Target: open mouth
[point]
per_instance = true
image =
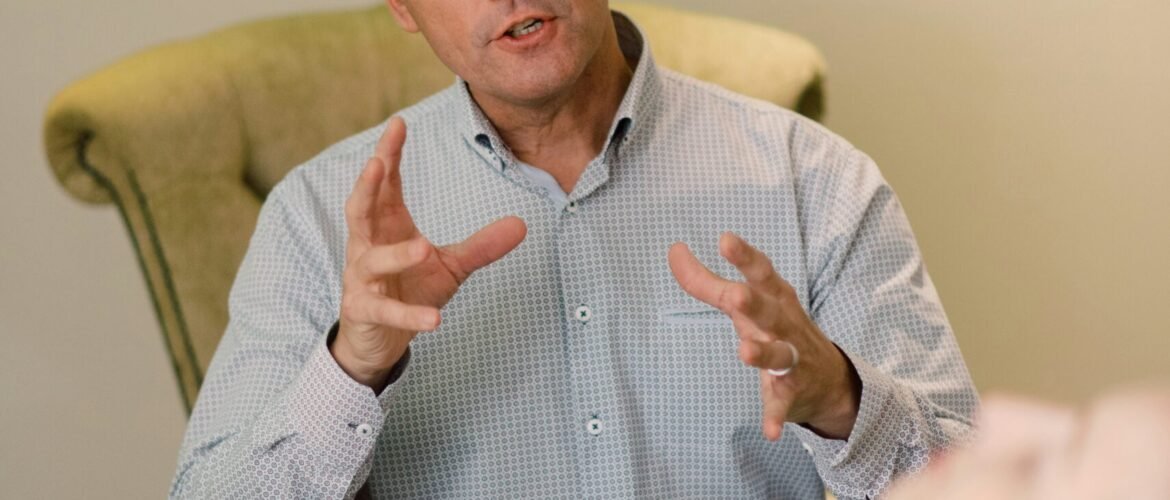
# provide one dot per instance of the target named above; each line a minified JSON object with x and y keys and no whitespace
{"x":525,"y":28}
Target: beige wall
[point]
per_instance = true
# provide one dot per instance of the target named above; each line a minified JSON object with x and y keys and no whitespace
{"x":1030,"y":144}
{"x":88,"y":405}
{"x":1028,"y":140}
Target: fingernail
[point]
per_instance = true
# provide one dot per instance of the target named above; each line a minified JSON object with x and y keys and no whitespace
{"x":751,"y":350}
{"x":746,"y":351}
{"x":419,"y":248}
{"x":432,"y":321}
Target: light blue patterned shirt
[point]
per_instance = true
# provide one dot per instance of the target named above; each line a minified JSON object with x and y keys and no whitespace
{"x":575,"y":367}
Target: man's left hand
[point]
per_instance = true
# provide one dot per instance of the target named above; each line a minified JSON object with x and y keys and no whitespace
{"x":822,"y":391}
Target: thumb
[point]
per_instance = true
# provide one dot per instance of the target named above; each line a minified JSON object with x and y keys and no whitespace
{"x":777,"y":400}
{"x":488,"y":244}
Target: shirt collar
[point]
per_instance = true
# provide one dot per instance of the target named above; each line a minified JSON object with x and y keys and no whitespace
{"x":643,"y":89}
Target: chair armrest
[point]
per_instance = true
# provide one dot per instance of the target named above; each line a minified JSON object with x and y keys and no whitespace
{"x":128,"y":116}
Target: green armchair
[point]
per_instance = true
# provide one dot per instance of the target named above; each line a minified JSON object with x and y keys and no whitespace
{"x":188,"y":138}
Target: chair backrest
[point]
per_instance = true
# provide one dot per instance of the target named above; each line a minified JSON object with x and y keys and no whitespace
{"x":187,"y":138}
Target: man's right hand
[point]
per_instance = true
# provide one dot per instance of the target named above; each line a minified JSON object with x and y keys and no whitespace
{"x":395,"y":281}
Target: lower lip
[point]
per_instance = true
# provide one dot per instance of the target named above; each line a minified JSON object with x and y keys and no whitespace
{"x":530,"y":41}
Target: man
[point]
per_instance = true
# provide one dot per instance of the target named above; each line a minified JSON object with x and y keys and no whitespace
{"x":589,"y":355}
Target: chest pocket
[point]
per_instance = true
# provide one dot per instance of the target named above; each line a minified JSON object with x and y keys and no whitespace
{"x":699,"y":346}
{"x":696,"y":340}
{"x":695,"y":315}
{"x":707,"y":393}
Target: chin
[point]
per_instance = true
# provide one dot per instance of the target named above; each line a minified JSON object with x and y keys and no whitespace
{"x":538,"y":91}
{"x":535,"y":86}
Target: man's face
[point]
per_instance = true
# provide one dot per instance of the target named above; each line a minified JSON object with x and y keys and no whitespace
{"x":519,"y":51}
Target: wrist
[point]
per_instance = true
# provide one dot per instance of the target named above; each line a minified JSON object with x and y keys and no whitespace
{"x":362,"y":373}
{"x":373,"y":374}
{"x":839,"y":411}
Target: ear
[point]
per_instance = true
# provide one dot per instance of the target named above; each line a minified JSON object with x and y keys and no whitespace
{"x":402,"y":15}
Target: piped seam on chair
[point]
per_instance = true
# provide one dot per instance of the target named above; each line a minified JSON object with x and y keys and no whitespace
{"x":168,"y":280}
{"x":82,"y":145}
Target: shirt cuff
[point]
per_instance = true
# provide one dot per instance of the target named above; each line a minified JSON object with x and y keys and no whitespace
{"x":335,"y":415}
{"x":396,"y":371}
{"x":860,"y":466}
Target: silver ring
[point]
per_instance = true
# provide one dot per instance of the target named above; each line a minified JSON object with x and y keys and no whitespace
{"x":795,"y":359}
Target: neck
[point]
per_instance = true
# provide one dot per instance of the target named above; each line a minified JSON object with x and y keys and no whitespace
{"x":563,"y":133}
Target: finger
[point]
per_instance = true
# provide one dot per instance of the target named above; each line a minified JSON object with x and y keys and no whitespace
{"x":383,"y":260}
{"x":748,"y":328}
{"x":781,"y":308}
{"x":373,"y":309}
{"x":389,"y":146}
{"x":359,"y":208}
{"x":488,"y":245}
{"x":731,"y":297}
{"x":393,"y":218}
{"x":777,"y":399}
{"x":755,"y":266}
{"x":773,"y":355}
{"x":700,"y":282}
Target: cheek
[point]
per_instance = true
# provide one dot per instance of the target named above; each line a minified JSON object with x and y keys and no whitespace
{"x":451,"y":42}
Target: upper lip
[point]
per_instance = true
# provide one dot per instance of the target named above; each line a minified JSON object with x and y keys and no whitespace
{"x":507,"y":26}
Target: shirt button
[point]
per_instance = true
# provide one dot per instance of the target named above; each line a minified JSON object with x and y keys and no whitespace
{"x":593,"y":426}
{"x":364,"y":429}
{"x":583,"y":314}
{"x":571,"y":207}
{"x":806,"y":448}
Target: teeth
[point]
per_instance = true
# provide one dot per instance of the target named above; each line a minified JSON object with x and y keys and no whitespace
{"x":525,"y":27}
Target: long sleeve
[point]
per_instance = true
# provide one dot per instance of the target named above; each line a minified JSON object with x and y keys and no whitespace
{"x":276,"y":416}
{"x":871,"y":294}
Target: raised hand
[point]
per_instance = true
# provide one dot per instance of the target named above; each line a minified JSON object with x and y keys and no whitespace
{"x":395,"y":281}
{"x":821,"y":389}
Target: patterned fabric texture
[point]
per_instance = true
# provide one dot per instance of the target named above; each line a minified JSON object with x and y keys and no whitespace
{"x":576,"y":367}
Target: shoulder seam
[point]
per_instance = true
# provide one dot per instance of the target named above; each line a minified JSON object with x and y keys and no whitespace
{"x":728,"y":96}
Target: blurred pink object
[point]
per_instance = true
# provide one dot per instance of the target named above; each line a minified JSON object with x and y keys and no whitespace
{"x":1116,"y":448}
